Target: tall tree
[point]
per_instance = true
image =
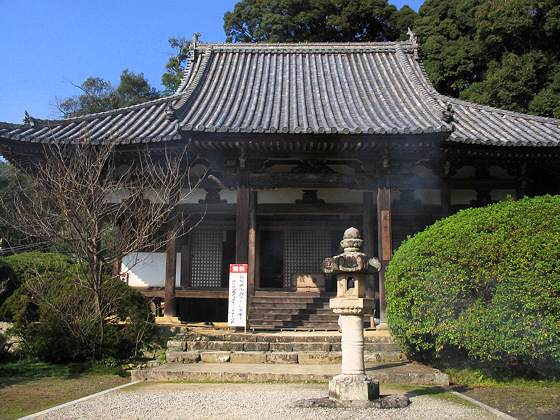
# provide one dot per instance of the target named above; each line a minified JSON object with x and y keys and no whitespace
{"x":175,"y":66}
{"x":501,"y":53}
{"x":99,"y":95}
{"x":316,"y":21}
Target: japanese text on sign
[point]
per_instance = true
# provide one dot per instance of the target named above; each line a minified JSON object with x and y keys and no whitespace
{"x":237,"y":305}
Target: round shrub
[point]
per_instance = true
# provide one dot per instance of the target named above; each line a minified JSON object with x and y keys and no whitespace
{"x":484,"y":283}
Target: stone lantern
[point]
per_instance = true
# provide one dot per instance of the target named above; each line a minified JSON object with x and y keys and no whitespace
{"x":352,"y":386}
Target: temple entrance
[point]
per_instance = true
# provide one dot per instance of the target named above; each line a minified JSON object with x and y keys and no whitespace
{"x":271,"y":267}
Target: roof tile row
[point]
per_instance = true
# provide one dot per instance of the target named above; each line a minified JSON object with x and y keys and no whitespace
{"x":368,"y":89}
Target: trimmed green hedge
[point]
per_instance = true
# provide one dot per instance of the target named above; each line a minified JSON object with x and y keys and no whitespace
{"x":484,"y":283}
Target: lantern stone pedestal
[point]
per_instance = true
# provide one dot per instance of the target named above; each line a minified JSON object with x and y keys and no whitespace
{"x":352,"y":386}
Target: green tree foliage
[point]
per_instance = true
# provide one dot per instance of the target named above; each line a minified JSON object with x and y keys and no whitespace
{"x":99,"y":95}
{"x":54,"y":313}
{"x":500,"y":53}
{"x":316,"y":21}
{"x":175,"y":66}
{"x":484,"y":283}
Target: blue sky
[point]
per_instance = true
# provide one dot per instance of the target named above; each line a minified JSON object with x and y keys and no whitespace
{"x":45,"y":44}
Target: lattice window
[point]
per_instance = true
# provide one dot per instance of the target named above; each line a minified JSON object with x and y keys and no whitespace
{"x":206,"y":261}
{"x":304,"y":252}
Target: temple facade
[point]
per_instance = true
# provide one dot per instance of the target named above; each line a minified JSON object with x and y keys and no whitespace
{"x":298,"y":142}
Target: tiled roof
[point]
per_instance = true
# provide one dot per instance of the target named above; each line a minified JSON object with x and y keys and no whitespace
{"x":135,"y":124}
{"x":311,"y":88}
{"x":479,"y":124}
{"x":349,"y":89}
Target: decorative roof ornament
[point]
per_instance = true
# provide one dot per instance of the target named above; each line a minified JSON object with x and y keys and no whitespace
{"x":448,"y":114}
{"x":414,"y":41}
{"x":192,"y":47}
{"x":195,"y":38}
{"x":170,"y":113}
{"x":29,"y":120}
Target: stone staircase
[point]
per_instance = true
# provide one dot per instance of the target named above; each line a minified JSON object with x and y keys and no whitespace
{"x":292,"y":311}
{"x":214,"y":346}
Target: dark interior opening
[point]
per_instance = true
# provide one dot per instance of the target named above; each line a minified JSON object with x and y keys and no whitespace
{"x":228,"y":255}
{"x":271,"y":259}
{"x":203,"y":310}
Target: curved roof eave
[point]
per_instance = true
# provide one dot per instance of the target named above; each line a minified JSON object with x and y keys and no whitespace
{"x":374,"y":89}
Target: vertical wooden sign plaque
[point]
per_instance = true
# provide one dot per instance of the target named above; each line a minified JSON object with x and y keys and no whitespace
{"x":386,"y":234}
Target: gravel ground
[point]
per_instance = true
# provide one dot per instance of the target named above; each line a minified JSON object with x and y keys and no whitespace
{"x":251,"y":401}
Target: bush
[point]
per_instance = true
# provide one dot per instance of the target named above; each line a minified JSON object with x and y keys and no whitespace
{"x":54,"y":313}
{"x":8,"y":282}
{"x":484,"y":283}
{"x":16,"y":270}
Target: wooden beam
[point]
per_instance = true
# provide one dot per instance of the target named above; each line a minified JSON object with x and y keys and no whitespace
{"x":309,"y":208}
{"x":170,"y":309}
{"x":489,"y":183}
{"x":207,"y":208}
{"x":265,"y":181}
{"x":384,"y":241}
{"x":252,"y":251}
{"x":153,"y":292}
{"x":242,"y":226}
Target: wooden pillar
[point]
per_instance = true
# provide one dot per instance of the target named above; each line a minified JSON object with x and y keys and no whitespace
{"x":369,"y":245}
{"x":384,"y":241}
{"x":242,"y":227}
{"x":252,"y":251}
{"x":170,"y":309}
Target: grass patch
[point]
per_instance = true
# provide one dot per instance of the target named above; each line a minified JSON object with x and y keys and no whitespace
{"x":27,"y":386}
{"x":470,"y":372}
{"x":35,"y":369}
{"x":434,"y":391}
{"x":520,"y":392}
{"x":477,"y":377}
{"x":539,"y":403}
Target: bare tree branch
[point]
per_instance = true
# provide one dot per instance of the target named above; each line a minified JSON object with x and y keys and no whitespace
{"x":98,"y":204}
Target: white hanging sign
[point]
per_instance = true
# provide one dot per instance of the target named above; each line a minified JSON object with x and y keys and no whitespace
{"x":237,"y":305}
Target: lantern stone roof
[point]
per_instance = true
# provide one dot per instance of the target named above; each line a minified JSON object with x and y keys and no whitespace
{"x":366,"y":90}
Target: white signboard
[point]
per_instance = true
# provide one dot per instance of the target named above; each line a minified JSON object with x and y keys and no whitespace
{"x":237,"y":305}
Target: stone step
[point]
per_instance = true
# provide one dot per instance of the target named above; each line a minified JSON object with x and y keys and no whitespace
{"x":288,"y":310}
{"x":395,"y":373}
{"x":268,"y":304}
{"x":303,"y":325}
{"x":301,"y":357}
{"x":292,"y":297}
{"x":288,"y":305}
{"x":273,"y":337}
{"x":182,"y":345}
{"x":295,"y":317}
{"x":300,"y":309}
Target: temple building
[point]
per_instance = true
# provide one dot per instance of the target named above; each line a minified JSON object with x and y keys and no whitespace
{"x":298,"y":142}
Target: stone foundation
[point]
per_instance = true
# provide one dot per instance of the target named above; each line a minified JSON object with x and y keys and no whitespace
{"x":356,"y":388}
